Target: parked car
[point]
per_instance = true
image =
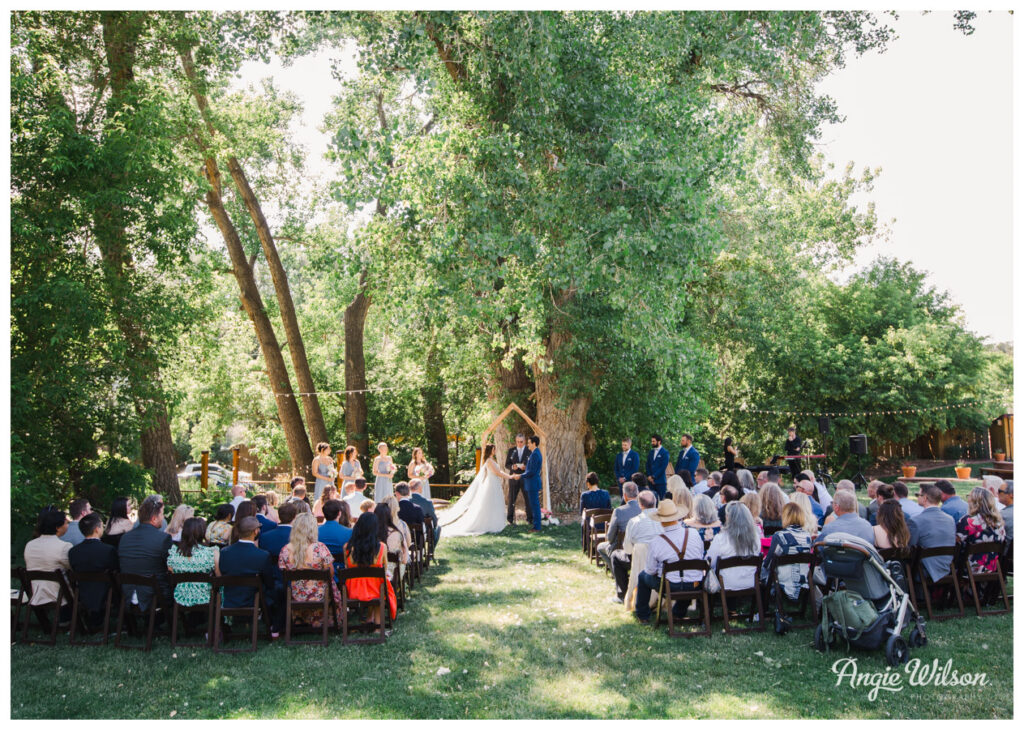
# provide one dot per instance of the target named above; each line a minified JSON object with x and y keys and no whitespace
{"x":218,"y":474}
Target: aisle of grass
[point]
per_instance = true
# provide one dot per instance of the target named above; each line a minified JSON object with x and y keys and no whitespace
{"x":524,"y":626}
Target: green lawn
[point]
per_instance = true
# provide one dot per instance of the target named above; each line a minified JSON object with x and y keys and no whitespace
{"x":524,"y":626}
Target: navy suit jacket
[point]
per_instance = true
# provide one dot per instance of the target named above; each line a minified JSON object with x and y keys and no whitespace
{"x":245,"y":559}
{"x":266,"y":524}
{"x":273,"y":542}
{"x":626,"y":463}
{"x":656,"y":467}
{"x":409,"y":511}
{"x":143,"y":550}
{"x":333,"y":535}
{"x":688,"y":459}
{"x":532,"y":476}
{"x":93,"y":555}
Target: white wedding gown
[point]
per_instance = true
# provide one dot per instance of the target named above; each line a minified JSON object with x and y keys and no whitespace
{"x":480,"y":510}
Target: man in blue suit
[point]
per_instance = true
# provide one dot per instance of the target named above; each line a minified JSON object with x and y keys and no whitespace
{"x":689,"y":457}
{"x":266,"y":524}
{"x":657,"y":462}
{"x":332,"y":533}
{"x":531,"y":481}
{"x":626,"y":463}
{"x":245,"y":558}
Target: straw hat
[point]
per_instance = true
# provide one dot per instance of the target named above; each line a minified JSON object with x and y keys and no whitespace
{"x":668,"y":512}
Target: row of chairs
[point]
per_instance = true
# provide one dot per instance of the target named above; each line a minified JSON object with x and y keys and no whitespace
{"x":118,"y":588}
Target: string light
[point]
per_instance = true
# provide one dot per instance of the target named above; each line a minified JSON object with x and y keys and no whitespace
{"x":888,"y":412}
{"x":332,"y":393}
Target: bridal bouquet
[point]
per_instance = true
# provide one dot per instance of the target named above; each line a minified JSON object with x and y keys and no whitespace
{"x":332,"y":473}
{"x":546,"y":518}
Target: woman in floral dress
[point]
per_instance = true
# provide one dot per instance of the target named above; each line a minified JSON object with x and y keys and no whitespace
{"x":190,"y":556}
{"x":982,"y":524}
{"x":304,"y":551}
{"x":219,"y":531}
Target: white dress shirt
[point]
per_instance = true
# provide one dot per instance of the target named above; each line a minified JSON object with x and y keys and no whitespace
{"x":659,"y":551}
{"x":641,"y":529}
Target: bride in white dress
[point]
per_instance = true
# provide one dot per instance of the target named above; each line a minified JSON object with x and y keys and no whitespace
{"x":481,"y":509}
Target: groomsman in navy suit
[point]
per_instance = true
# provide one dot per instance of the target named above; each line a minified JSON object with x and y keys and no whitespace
{"x":689,"y":457}
{"x":626,"y":463}
{"x":657,"y":462}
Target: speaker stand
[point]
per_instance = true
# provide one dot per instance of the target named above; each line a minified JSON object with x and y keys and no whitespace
{"x":859,"y":481}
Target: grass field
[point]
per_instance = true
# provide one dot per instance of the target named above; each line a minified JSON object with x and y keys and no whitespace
{"x":524,"y":626}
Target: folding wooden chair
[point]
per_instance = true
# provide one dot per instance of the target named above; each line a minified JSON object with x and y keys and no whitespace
{"x":322,"y":575}
{"x":984,"y":578}
{"x":41,"y":611}
{"x":78,"y":616}
{"x":754,"y":591}
{"x":585,"y":525}
{"x":396,"y":558}
{"x":183,"y":611}
{"x":804,"y":598}
{"x":418,"y":549}
{"x":597,"y":534}
{"x":127,"y":584}
{"x":252,"y":613}
{"x":19,"y":598}
{"x":429,"y":528}
{"x":368,"y":572}
{"x":687,"y":595}
{"x":949,"y":580}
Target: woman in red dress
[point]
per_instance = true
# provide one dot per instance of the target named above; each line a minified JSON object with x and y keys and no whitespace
{"x":364,"y":549}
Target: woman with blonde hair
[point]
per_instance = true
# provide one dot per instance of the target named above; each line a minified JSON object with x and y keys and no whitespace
{"x":304,"y":551}
{"x":330,"y":492}
{"x":753,"y":502}
{"x":392,"y":502}
{"x":673,"y":483}
{"x":773,"y":500}
{"x":681,"y":496}
{"x":181,"y":514}
{"x":982,"y":524}
{"x":810,"y":521}
{"x":272,"y":501}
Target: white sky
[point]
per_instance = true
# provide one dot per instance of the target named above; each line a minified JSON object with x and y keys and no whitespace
{"x":933,"y":111}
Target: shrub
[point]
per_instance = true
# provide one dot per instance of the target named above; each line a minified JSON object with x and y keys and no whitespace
{"x":110,"y":477}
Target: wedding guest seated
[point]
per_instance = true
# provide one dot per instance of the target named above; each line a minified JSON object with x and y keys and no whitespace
{"x":680,"y":494}
{"x":847,"y":520}
{"x":892,"y":530}
{"x":245,"y":558}
{"x":49,"y":553}
{"x":304,"y":551}
{"x":354,"y":495}
{"x":331,"y":532}
{"x":329,"y":492}
{"x":773,"y":500}
{"x":416,"y":495}
{"x":299,"y":491}
{"x":272,"y":499}
{"x":952,"y":504}
{"x":366,"y":506}
{"x":873,"y":505}
{"x":390,"y":535}
{"x":594,"y":497}
{"x":932,"y":528}
{"x":1006,"y":500}
{"x":620,"y":517}
{"x":143,"y":550}
{"x":807,"y":488}
{"x":753,"y":502}
{"x":803,"y":502}
{"x":983,"y":523}
{"x":190,"y":556}
{"x":910,"y":508}
{"x":392,"y":502}
{"x":705,"y":518}
{"x":408,"y":511}
{"x":263,"y":514}
{"x":819,"y":494}
{"x":793,"y":539}
{"x":219,"y":531}
{"x":237,"y":496}
{"x":728,"y":494}
{"x":686,"y":477}
{"x":830,"y":512}
{"x":273,"y":541}
{"x":738,"y":538}
{"x":641,"y":528}
{"x":714,"y":484}
{"x":178,"y":517}
{"x":118,"y":522}
{"x":365,"y":549}
{"x":992,"y":483}
{"x":747,"y":482}
{"x":676,"y":541}
{"x":76,"y":510}
{"x":245,"y":509}
{"x":700,"y":484}
{"x":92,"y":556}
{"x":762,"y":479}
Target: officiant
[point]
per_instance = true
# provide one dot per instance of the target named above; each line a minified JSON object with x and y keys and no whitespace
{"x":515,"y":463}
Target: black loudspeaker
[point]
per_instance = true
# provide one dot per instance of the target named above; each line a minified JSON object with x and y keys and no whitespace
{"x":824,"y":426}
{"x":858,"y":444}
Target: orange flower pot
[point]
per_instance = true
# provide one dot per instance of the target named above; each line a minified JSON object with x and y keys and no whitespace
{"x":909,"y":471}
{"x":963,"y":473}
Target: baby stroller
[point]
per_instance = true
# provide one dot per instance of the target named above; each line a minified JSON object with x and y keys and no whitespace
{"x":866,"y":601}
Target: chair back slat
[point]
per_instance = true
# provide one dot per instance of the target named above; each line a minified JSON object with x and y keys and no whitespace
{"x":736,"y":561}
{"x":988,"y":547}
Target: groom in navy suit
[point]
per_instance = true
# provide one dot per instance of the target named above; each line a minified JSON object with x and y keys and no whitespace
{"x":531,"y":481}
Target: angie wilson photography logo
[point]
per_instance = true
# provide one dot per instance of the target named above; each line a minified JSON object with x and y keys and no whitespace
{"x":914,"y":673}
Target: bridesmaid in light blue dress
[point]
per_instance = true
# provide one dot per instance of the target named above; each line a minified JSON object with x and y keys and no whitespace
{"x":422,"y":469}
{"x":323,"y":466}
{"x":383,"y":469}
{"x":350,"y":468}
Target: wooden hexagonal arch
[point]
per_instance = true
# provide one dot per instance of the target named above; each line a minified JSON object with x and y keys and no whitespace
{"x":536,"y":430}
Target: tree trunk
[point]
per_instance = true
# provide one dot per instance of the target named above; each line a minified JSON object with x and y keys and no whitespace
{"x":356,"y":430}
{"x":566,"y":429}
{"x":288,"y":410}
{"x":433,"y":416}
{"x":296,"y":346}
{"x":120,"y":38}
